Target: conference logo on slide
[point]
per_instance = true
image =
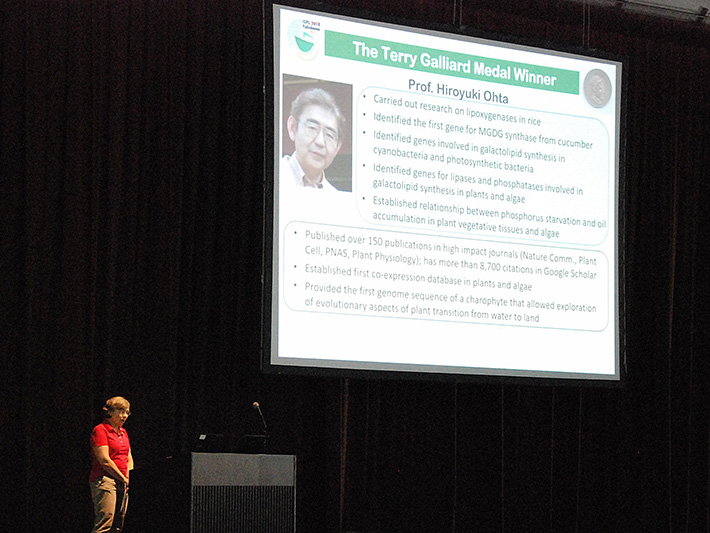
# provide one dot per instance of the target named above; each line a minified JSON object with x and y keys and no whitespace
{"x":303,"y":38}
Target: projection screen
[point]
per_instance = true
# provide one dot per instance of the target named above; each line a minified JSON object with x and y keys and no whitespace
{"x":439,"y":205}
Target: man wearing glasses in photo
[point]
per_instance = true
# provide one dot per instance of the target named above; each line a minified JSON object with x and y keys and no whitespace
{"x":315,"y":125}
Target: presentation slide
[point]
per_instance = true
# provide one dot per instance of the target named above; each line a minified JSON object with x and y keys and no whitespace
{"x":442,"y":204}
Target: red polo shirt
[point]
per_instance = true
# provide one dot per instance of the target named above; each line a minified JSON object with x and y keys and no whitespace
{"x":118,"y":448}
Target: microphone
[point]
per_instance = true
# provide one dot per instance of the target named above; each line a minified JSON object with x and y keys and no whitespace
{"x":257,"y":407}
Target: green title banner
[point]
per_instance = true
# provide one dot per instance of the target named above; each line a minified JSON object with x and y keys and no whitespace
{"x":417,"y":58}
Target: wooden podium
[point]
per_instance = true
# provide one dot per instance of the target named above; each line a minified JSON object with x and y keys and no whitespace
{"x":215,"y":493}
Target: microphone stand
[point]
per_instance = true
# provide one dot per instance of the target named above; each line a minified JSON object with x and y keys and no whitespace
{"x":265,"y":435}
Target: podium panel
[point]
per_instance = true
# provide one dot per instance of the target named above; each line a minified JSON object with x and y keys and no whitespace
{"x":214,"y":493}
{"x":241,"y":493}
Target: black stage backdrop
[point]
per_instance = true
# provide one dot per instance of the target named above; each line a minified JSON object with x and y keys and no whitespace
{"x":131,"y":141}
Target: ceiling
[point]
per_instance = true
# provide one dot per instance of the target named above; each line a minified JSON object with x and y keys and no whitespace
{"x":690,"y":10}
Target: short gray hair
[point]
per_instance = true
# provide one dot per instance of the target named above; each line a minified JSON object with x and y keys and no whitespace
{"x":321,"y":98}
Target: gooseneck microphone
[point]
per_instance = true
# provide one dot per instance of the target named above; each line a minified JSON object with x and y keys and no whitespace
{"x":257,"y":407}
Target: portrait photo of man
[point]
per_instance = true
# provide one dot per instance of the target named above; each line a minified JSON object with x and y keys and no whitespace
{"x":315,"y":136}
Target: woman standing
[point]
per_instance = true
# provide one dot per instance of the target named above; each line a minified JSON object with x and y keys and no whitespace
{"x":111,"y":465}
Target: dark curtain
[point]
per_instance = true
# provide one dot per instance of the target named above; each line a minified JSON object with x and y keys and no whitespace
{"x":131,"y":157}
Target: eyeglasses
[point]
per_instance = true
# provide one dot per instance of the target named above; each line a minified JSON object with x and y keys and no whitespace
{"x":313,"y":128}
{"x":122,"y":411}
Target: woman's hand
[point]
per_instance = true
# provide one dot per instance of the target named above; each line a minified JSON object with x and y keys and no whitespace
{"x":102,"y":455}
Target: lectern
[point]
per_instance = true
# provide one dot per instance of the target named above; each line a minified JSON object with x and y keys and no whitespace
{"x":241,"y":493}
{"x":215,"y":493}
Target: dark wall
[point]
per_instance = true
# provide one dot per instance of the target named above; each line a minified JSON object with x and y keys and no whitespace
{"x":131,"y":161}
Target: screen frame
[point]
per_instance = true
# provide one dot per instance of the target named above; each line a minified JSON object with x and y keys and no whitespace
{"x":269,"y":283}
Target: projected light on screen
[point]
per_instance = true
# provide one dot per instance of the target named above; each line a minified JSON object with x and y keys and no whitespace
{"x":441,"y":205}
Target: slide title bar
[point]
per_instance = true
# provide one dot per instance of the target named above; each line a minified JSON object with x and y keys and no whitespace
{"x":393,"y":54}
